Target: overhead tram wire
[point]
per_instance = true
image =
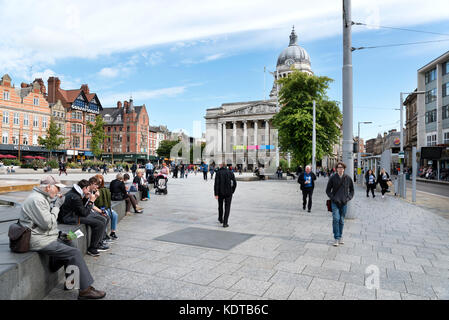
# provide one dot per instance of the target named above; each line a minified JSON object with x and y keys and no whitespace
{"x":399,"y":44}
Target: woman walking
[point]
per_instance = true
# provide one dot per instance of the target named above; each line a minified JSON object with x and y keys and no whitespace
{"x":370,"y":179}
{"x":383,"y":180}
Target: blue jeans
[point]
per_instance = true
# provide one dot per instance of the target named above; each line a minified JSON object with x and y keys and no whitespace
{"x":114,"y":217}
{"x":338,"y":220}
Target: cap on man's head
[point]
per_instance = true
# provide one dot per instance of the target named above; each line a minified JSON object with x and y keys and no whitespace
{"x":50,"y":180}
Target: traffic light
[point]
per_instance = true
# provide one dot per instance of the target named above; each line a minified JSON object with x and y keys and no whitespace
{"x":355,"y":147}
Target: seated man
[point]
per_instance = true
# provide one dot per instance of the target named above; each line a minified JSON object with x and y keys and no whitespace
{"x":77,"y":209}
{"x":39,"y":213}
{"x":119,"y":193}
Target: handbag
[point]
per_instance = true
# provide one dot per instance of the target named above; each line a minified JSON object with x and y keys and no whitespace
{"x":389,"y":183}
{"x":19,"y":238}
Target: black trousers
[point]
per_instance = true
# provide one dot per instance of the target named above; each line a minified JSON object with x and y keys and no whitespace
{"x":65,"y":255}
{"x":205,"y":175}
{"x":144,"y":191}
{"x":370,"y":187}
{"x":307,"y":192}
{"x":227,"y":208}
{"x":98,"y":224}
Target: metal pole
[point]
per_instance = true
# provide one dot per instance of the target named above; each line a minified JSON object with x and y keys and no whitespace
{"x":359,"y":179}
{"x":314,"y":139}
{"x":401,"y":174}
{"x":414,"y":172}
{"x":347,"y":96}
{"x":277,"y":110}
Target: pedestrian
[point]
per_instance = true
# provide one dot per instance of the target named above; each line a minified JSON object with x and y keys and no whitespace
{"x":307,"y":182}
{"x":104,"y":203}
{"x":224,"y":187}
{"x":279,"y":172}
{"x":204,"y":170}
{"x":149,"y":168}
{"x":40,"y":212}
{"x":212,"y":171}
{"x":105,"y":168}
{"x":142,"y":185}
{"x":62,"y":168}
{"x":340,"y":190}
{"x":134,"y":169}
{"x":382,"y":179}
{"x":182,"y":169}
{"x":370,"y":180}
{"x":119,"y":193}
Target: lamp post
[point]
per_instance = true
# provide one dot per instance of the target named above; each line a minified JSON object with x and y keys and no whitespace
{"x":314,"y":139}
{"x":359,"y":175}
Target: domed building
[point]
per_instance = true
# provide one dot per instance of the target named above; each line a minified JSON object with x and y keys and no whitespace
{"x":241,"y":133}
{"x":292,"y":58}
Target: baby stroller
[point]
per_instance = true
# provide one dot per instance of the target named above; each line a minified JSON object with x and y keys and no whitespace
{"x":160,"y":183}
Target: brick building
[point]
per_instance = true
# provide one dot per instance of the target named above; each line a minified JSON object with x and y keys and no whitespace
{"x":24,"y":116}
{"x":127,"y":127}
{"x":80,"y":107}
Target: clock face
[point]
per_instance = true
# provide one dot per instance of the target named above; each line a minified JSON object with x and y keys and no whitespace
{"x":289,"y":62}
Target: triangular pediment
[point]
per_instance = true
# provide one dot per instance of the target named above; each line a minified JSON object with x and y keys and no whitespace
{"x":256,"y":108}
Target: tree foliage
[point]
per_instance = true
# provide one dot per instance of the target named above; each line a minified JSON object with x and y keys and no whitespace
{"x":53,"y":139}
{"x":295,"y":118}
{"x":98,"y":136}
{"x":165,"y":147}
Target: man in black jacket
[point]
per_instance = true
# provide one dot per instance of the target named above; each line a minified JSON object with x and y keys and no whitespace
{"x":307,"y":181}
{"x":77,"y":209}
{"x":224,"y":187}
{"x":340,"y":190}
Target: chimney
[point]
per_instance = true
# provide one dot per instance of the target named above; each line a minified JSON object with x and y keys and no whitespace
{"x":119,"y":104}
{"x":43,"y":90}
{"x":85,"y":88}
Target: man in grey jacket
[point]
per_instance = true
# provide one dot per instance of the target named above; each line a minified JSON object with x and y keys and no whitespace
{"x":40,"y":213}
{"x":340,"y":190}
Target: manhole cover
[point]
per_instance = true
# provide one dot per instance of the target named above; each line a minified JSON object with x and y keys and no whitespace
{"x":206,"y":238}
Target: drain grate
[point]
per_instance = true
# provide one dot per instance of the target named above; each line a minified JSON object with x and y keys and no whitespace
{"x":207,"y":238}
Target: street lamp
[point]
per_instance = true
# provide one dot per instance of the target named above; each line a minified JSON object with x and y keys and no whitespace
{"x":402,"y":185}
{"x":358,"y":151}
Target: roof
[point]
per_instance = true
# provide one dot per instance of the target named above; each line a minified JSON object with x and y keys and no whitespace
{"x":116,"y":115}
{"x":432,"y":63}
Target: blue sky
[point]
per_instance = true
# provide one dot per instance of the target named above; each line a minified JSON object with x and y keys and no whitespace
{"x":179,"y":60}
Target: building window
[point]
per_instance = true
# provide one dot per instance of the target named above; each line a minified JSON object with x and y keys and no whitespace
{"x":25,"y":140}
{"x":15,"y":139}
{"x":16,"y":118}
{"x":109,"y":129}
{"x":6,"y":117}
{"x":44,"y":122}
{"x":34,"y":139}
{"x":76,"y":142}
{"x":431,"y":140}
{"x":431,"y":75}
{"x":77,"y":128}
{"x":88,"y":144}
{"x":35,"y":121}
{"x":446,"y":137}
{"x":446,"y":112}
{"x":26,"y":120}
{"x":127,"y":128}
{"x":431,"y":116}
{"x":445,"y":89}
{"x":431,"y":95}
{"x":5,"y":95}
{"x":446,"y":67}
{"x":5,"y":139}
{"x":36,"y":101}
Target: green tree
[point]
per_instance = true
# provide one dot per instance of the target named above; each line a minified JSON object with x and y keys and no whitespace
{"x":165,"y":148}
{"x":53,"y":139}
{"x":203,"y":145}
{"x":98,"y":136}
{"x":295,"y":118}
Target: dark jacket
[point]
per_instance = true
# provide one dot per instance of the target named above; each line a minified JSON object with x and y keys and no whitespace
{"x":344,"y":194}
{"x":133,"y":167}
{"x":139,"y":183}
{"x":74,"y":206}
{"x":383,"y":183}
{"x":225,"y":183}
{"x":118,"y":190}
{"x":367,"y":178}
{"x":302,"y":181}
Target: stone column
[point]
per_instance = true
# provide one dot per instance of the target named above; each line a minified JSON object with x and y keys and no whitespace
{"x":245,"y":143}
{"x":234,"y":137}
{"x":224,"y":142}
{"x":255,"y":132}
{"x":219,"y":140}
{"x":267,"y":133}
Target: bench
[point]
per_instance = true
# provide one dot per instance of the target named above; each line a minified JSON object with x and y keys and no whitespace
{"x":26,"y":276}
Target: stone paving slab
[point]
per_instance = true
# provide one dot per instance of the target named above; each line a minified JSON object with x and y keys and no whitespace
{"x":290,"y":255}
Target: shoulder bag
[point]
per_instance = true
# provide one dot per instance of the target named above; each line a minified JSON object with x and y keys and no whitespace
{"x":19,"y":238}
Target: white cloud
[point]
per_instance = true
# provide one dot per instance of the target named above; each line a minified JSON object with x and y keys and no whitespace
{"x":141,"y":96}
{"x":40,"y":33}
{"x":108,"y":72}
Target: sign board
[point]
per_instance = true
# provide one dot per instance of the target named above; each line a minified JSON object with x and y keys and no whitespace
{"x":401,"y":155}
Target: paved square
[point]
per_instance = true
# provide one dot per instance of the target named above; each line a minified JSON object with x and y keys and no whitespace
{"x":206,"y":238}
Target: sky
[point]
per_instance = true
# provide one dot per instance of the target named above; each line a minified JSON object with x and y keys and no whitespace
{"x":180,"y":58}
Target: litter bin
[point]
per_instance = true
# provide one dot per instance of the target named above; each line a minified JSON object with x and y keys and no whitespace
{"x":407,"y":176}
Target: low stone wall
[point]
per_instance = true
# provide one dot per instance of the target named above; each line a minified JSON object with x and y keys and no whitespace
{"x":25,"y":276}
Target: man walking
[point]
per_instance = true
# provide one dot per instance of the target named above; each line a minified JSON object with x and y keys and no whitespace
{"x":149,"y":170}
{"x":204,"y":169}
{"x":224,"y":188}
{"x":306,"y":180}
{"x":340,"y":190}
